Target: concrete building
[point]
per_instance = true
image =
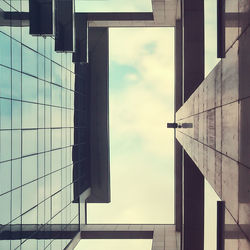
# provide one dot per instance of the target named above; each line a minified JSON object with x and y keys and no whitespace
{"x":54,"y":134}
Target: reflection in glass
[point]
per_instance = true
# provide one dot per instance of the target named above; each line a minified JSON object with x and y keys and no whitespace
{"x":40,"y":190}
{"x":16,"y":203}
{"x":29,"y":61}
{"x":16,"y":55}
{"x":56,"y":159}
{"x":41,"y":91}
{"x":47,"y":70}
{"x":41,"y":138}
{"x":56,"y":74}
{"x":56,"y":117}
{"x":5,"y":177}
{"x":47,"y":139}
{"x":5,"y":81}
{"x":40,"y":165}
{"x":16,"y":85}
{"x":30,"y":217}
{"x":41,"y":71}
{"x":5,"y":58}
{"x":29,"y":169}
{"x":55,"y":182}
{"x":56,"y":95}
{"x":5,"y":111}
{"x":29,"y":140}
{"x":16,"y":144}
{"x":29,"y":88}
{"x":29,"y":196}
{"x":5,"y":201}
{"x":16,"y":173}
{"x":56,"y":138}
{"x":29,"y":115}
{"x":16,"y":114}
{"x":41,"y":116}
{"x":5,"y":145}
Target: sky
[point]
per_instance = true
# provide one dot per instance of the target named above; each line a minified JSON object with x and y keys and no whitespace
{"x":141,"y":103}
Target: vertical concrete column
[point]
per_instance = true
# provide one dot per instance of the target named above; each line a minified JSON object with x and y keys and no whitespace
{"x":193,"y":45}
{"x":193,"y":75}
{"x":193,"y":206}
{"x":178,"y":104}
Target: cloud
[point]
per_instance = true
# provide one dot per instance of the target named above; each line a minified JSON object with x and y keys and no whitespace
{"x":113,"y":5}
{"x":141,"y":146}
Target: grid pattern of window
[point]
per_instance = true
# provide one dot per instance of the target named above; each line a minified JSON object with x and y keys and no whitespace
{"x":36,"y":133}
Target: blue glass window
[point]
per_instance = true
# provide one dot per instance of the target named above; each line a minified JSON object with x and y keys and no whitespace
{"x":29,"y":61}
{"x":16,"y":85}
{"x":29,"y":88}
{"x":5,"y":81}
{"x":5,"y":55}
{"x":56,"y":95}
{"x":56,"y":73}
{"x":16,"y":55}
{"x":41,"y":70}
{"x":29,"y":115}
{"x":16,"y":114}
{"x":41,"y":91}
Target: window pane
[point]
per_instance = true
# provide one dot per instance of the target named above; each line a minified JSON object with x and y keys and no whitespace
{"x":16,"y":55}
{"x":5,"y":81}
{"x":29,"y":169}
{"x":16,"y":143}
{"x":5,"y":177}
{"x":5,"y":50}
{"x":16,"y":203}
{"x":56,"y":159}
{"x":41,"y":138}
{"x":56,"y":73}
{"x":29,"y":115}
{"x":56,"y":182}
{"x":56,"y":95}
{"x":41,"y":71}
{"x":29,"y":88}
{"x":5,"y":138}
{"x":5,"y":111}
{"x":29,"y":61}
{"x":29,"y":196}
{"x":16,"y":114}
{"x":16,"y":85}
{"x":29,"y":142}
{"x":41,"y":91}
{"x":5,"y":201}
{"x":56,"y":117}
{"x":56,"y":138}
{"x":16,"y":173}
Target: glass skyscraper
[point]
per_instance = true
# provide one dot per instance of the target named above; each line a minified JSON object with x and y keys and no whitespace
{"x":37,"y":90}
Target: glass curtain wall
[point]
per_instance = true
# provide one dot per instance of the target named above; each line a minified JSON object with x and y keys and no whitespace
{"x":36,"y":133}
